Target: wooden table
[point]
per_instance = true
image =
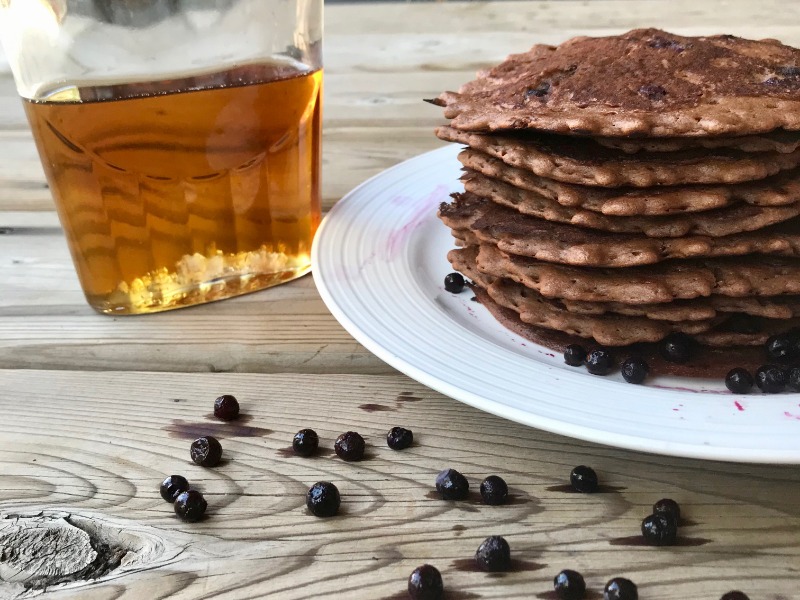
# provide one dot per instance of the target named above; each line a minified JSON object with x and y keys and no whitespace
{"x":95,"y":411}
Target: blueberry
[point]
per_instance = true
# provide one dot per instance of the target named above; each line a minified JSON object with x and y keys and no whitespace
{"x":781,"y":348}
{"x":425,"y":583}
{"x":676,"y":348}
{"x":599,"y":362}
{"x":305,"y":442}
{"x":574,"y":355}
{"x":206,"y":451}
{"x":323,"y":499}
{"x":735,"y":595}
{"x":620,"y":588}
{"x":454,"y":283}
{"x":452,"y":485}
{"x":190,"y":505}
{"x":634,"y":369}
{"x":349,"y":446}
{"x":739,"y":380}
{"x":569,"y":585}
{"x":226,"y":407}
{"x":173,"y":486}
{"x":494,"y":554}
{"x":771,"y":379}
{"x":399,"y":438}
{"x":583,"y":479}
{"x":669,"y":507}
{"x":794,"y":379}
{"x":660,"y":529}
{"x":494,"y":490}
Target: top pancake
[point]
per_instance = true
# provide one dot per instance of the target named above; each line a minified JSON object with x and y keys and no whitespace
{"x":645,"y":82}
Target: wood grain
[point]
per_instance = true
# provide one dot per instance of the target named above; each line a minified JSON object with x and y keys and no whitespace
{"x":259,"y":541}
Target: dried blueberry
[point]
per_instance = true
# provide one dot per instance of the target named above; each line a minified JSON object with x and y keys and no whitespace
{"x":452,"y":485}
{"x":781,"y":348}
{"x":190,"y":505}
{"x":677,"y":348}
{"x":574,"y":355}
{"x":669,"y":507}
{"x":771,"y":379}
{"x":454,"y":283}
{"x":350,"y":446}
{"x":494,"y":554}
{"x":620,"y":588}
{"x":323,"y":499}
{"x":599,"y":362}
{"x":173,"y":486}
{"x":739,"y":380}
{"x":494,"y":490}
{"x":206,"y":451}
{"x":583,"y":479}
{"x":425,"y":583}
{"x":634,"y":369}
{"x":794,"y":379}
{"x":226,"y":407}
{"x":735,"y":595}
{"x":660,"y":529}
{"x":305,"y":442}
{"x":399,"y":438}
{"x":569,"y":585}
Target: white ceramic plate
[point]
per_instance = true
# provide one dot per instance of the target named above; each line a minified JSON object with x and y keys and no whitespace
{"x":379,"y":264}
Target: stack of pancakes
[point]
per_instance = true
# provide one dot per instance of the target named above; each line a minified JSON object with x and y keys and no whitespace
{"x":629,"y":187}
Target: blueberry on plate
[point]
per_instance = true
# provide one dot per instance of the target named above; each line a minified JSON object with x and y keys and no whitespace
{"x":634,"y":369}
{"x":739,"y":380}
{"x":574,"y":355}
{"x":454,"y":283}
{"x":771,"y":379}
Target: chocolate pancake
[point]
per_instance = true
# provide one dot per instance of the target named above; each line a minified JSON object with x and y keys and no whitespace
{"x":520,"y":234}
{"x":751,"y":278}
{"x":772,"y":141}
{"x":777,"y":190}
{"x":645,"y":82}
{"x":715,"y":223}
{"x":701,"y":308}
{"x":583,"y":162}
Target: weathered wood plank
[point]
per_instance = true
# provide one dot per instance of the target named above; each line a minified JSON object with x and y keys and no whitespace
{"x":97,"y":445}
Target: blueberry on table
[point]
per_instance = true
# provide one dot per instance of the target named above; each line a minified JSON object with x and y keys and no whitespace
{"x":735,"y":595}
{"x":569,"y":585}
{"x":620,"y":588}
{"x":494,"y":554}
{"x":669,"y":507}
{"x":660,"y":529}
{"x":599,"y":362}
{"x":739,"y":380}
{"x":574,"y":355}
{"x":206,"y":451}
{"x":305,"y":442}
{"x":677,"y":348}
{"x":349,"y":446}
{"x":454,"y":283}
{"x":190,"y":505}
{"x":425,"y":583}
{"x":634,"y":369}
{"x":494,"y":490}
{"x":583,"y":479}
{"x":452,"y":485}
{"x":323,"y":499}
{"x":173,"y":486}
{"x":226,"y":407}
{"x":399,"y":438}
{"x":771,"y":379}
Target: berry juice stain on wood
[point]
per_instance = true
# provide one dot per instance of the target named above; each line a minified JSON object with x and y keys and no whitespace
{"x":375,"y":408}
{"x":186,"y":430}
{"x":602,"y":489}
{"x":638,"y":540}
